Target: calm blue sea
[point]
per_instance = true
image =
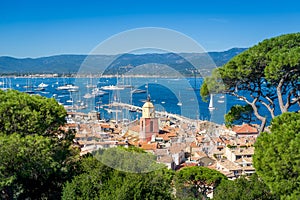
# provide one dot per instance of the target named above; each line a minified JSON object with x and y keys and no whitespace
{"x":165,"y":93}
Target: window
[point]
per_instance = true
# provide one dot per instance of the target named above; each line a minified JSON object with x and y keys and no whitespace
{"x":151,"y":126}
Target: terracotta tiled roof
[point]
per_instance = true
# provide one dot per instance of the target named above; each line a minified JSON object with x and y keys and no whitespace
{"x":166,"y":136}
{"x":135,"y":128}
{"x":171,"y":134}
{"x":245,"y":128}
{"x":193,"y":145}
{"x":105,"y":125}
{"x":146,"y":146}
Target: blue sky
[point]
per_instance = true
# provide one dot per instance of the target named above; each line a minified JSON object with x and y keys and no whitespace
{"x":31,"y":28}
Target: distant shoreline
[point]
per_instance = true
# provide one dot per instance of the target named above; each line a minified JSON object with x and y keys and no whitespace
{"x":93,"y":76}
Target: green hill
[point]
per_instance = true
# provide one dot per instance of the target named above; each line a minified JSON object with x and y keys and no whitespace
{"x":112,"y":64}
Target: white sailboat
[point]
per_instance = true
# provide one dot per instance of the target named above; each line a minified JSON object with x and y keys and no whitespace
{"x":90,"y":84}
{"x":179,"y":102}
{"x":211,"y":103}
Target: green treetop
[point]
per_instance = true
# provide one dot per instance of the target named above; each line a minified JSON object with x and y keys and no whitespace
{"x":277,"y":156}
{"x":29,"y":114}
{"x":36,"y":156}
{"x":269,"y":72}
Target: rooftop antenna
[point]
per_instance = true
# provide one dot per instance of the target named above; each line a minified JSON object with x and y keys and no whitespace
{"x":147,"y":86}
{"x":148,"y":98}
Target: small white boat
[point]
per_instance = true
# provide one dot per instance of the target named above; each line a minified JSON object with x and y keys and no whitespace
{"x":112,"y":87}
{"x":98,"y":92}
{"x":68,"y":87}
{"x":87,"y":96}
{"x":42,"y":85}
{"x":73,"y":90}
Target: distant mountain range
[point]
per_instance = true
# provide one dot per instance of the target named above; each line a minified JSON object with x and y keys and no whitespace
{"x":184,"y":63}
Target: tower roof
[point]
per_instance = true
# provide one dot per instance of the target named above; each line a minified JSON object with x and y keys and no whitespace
{"x":148,"y":110}
{"x":148,"y":104}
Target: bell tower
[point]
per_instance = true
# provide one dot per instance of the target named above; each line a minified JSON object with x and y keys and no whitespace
{"x":148,"y":122}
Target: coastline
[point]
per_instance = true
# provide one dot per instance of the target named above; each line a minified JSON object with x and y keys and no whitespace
{"x":94,"y":76}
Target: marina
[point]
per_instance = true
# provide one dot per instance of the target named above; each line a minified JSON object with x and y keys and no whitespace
{"x":172,"y":97}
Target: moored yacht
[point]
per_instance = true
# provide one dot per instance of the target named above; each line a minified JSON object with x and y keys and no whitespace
{"x":112,"y":87}
{"x":68,"y":87}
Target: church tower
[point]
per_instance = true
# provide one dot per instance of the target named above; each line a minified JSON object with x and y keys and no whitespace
{"x":148,"y":122}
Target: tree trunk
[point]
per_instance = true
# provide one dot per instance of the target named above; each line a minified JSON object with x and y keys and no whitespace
{"x":255,"y":110}
{"x":280,"y":99}
{"x":262,"y":126}
{"x":261,"y":118}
